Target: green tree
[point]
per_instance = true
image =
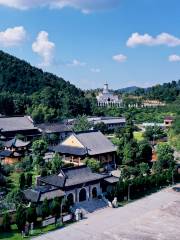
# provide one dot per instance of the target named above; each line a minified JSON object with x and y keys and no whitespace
{"x":101,"y":127}
{"x":56,"y":163}
{"x":154,"y":133}
{"x":16,"y":196}
{"x":44,"y":172}
{"x":31,"y":214}
{"x":165,"y":156}
{"x":144,"y":168}
{"x":22,"y":181}
{"x":93,"y":164}
{"x":38,"y":161}
{"x":29,"y":179}
{"x":56,"y":208}
{"x":144,"y":153}
{"x":81,"y":124}
{"x":130,"y":152}
{"x":6,"y":222}
{"x":39,"y":147}
{"x":45,"y":209}
{"x":21,"y":217}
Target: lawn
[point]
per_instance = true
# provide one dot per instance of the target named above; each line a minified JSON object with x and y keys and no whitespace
{"x":138,"y":136}
{"x":15,"y":235}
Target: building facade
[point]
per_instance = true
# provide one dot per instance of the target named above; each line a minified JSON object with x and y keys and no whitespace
{"x":92,"y":144}
{"x":79,"y":183}
{"x":106,"y":98}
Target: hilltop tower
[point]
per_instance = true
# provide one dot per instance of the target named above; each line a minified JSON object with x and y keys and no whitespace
{"x":107,"y":98}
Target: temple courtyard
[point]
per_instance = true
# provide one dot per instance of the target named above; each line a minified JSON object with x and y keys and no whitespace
{"x":155,"y":217}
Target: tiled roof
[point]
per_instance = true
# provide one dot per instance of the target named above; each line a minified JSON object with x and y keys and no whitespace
{"x":79,"y":175}
{"x":95,"y":142}
{"x":16,"y":143}
{"x":70,"y":150}
{"x":111,"y":179}
{"x":39,"y":193}
{"x":53,"y":127}
{"x":72,"y":176}
{"x":32,"y":195}
{"x":54,"y":180}
{"x":6,"y":153}
{"x":16,"y":124}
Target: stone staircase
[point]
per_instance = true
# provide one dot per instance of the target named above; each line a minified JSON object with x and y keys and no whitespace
{"x":90,"y":206}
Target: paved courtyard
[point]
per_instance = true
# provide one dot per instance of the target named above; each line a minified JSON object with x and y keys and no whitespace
{"x":155,"y":217}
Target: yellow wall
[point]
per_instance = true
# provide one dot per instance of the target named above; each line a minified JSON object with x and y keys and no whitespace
{"x":9,"y":160}
{"x":72,"y":141}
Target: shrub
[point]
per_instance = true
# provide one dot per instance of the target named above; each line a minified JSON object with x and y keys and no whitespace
{"x":20,"y":217}
{"x":6,"y":222}
{"x":31,"y":214}
{"x":45,"y":209}
{"x":93,"y":164}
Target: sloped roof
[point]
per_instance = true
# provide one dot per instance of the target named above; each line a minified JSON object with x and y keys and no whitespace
{"x":16,"y":124}
{"x":32,"y":195}
{"x":95,"y":142}
{"x":39,"y":193}
{"x":16,"y":143}
{"x":79,"y":175}
{"x":111,"y":179}
{"x":6,"y":153}
{"x":72,"y":176}
{"x":53,"y":127}
{"x":54,"y":180}
{"x":64,"y":149}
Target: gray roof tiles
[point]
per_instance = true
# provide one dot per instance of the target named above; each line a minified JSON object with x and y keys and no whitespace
{"x":54,"y":180}
{"x":72,"y":176}
{"x":16,"y":124}
{"x":70,"y":150}
{"x":53,"y":127}
{"x":79,"y":175}
{"x":39,"y":193}
{"x":16,"y":143}
{"x":95,"y":142}
{"x":112,"y":179}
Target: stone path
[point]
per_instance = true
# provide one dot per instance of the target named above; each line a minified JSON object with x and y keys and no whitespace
{"x":91,"y":206}
{"x":155,"y":217}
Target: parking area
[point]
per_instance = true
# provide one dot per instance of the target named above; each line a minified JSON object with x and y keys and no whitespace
{"x":155,"y":217}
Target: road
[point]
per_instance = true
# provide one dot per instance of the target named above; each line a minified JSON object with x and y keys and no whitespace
{"x":155,"y":217}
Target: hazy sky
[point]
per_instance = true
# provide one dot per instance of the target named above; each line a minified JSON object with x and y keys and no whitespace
{"x":89,"y":42}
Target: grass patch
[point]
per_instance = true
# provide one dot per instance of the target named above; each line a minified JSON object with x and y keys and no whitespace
{"x":138,"y":136}
{"x":15,"y":235}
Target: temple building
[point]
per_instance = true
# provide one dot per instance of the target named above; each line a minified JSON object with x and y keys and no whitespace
{"x":107,"y":98}
{"x":75,"y":184}
{"x":92,"y":144}
{"x":10,"y":127}
{"x":14,"y":150}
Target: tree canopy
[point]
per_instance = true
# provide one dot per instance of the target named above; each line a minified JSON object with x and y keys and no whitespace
{"x":43,"y":95}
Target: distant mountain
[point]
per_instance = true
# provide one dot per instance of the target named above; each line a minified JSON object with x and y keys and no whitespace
{"x":128,"y":89}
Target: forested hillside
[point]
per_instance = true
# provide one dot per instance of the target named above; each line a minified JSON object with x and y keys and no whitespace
{"x":24,"y":88}
{"x":167,"y":92}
